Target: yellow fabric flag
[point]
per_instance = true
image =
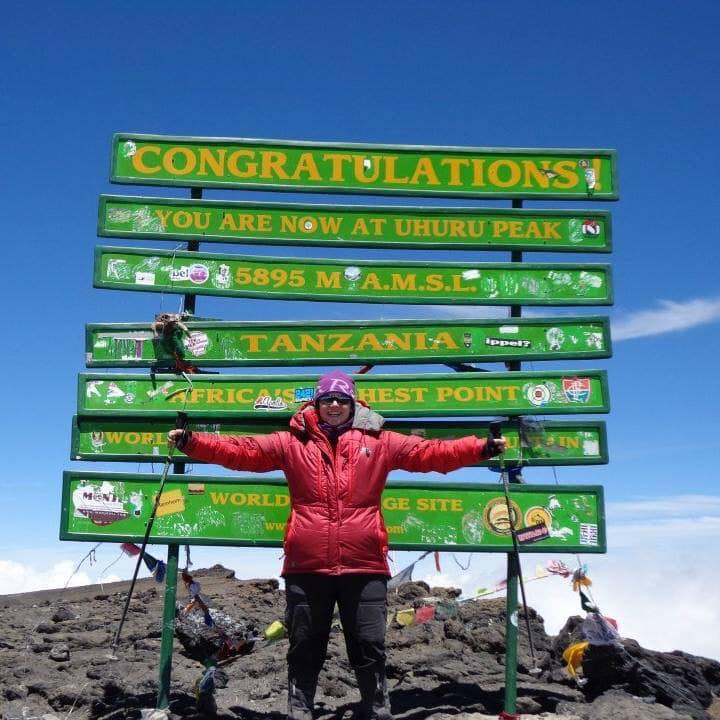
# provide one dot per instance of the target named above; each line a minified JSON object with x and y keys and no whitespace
{"x":573,"y":656}
{"x":405,"y":617}
{"x":275,"y":631}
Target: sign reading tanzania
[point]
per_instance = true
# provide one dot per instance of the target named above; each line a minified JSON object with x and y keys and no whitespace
{"x":335,"y":167}
{"x":364,"y":226}
{"x":217,"y":344}
{"x":352,"y":281}
{"x":144,"y":439}
{"x":115,"y":507}
{"x":437,"y":394}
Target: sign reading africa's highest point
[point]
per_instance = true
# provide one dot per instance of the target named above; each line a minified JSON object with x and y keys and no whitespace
{"x":359,"y":168}
{"x":431,"y":395}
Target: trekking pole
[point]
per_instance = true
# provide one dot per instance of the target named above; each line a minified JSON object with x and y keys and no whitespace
{"x":495,"y":433}
{"x":181,"y":423}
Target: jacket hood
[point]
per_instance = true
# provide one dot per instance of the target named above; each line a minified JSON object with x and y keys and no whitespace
{"x":306,"y":421}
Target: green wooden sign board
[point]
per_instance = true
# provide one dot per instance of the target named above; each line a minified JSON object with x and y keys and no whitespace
{"x":219,"y":344}
{"x":354,"y":226}
{"x":115,"y":507}
{"x":431,"y":395}
{"x":352,"y":281}
{"x":358,"y":168}
{"x":143,"y":439}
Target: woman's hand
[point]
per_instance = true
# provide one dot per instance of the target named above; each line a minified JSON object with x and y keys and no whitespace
{"x":496,"y":446}
{"x":178,"y":438}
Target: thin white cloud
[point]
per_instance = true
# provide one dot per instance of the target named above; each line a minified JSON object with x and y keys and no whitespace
{"x":18,"y":577}
{"x":669,"y":317}
{"x":671,"y":506}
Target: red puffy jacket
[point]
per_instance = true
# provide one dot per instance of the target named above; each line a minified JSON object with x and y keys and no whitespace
{"x":335,"y":524}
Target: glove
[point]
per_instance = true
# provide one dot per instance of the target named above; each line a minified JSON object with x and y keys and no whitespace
{"x":494,"y":446}
{"x":184,"y":439}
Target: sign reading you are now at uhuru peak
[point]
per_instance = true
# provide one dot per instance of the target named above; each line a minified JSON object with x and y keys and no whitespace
{"x":247,"y":511}
{"x":334,"y":167}
{"x":360,"y":226}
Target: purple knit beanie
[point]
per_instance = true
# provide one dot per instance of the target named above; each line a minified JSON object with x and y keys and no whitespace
{"x":335,"y":382}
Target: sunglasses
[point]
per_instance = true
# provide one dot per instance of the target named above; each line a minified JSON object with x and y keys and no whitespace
{"x":333,"y":398}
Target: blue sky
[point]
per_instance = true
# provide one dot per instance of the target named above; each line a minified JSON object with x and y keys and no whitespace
{"x":637,"y":78}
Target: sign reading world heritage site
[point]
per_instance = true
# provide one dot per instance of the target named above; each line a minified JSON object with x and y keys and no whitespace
{"x":432,"y":395}
{"x":247,"y":511}
{"x":144,"y":438}
{"x":217,"y":344}
{"x":346,"y":167}
{"x":352,"y":281}
{"x":358,"y":225}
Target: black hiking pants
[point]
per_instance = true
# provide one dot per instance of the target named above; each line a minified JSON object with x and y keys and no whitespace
{"x":362,"y":601}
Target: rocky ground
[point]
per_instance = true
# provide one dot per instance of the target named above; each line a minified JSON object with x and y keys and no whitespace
{"x":56,"y":661}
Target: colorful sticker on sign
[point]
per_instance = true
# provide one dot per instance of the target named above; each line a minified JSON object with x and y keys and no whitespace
{"x":576,"y":389}
{"x":304,"y":394}
{"x":590,"y":228}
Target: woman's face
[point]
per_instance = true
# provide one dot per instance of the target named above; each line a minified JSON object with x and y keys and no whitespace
{"x":335,"y":409}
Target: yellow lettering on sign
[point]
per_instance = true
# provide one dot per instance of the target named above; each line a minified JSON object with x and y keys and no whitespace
{"x":431,"y":504}
{"x":424,"y":169}
{"x":366,"y":169}
{"x":139,"y":163}
{"x":217,"y":164}
{"x":337,"y":160}
{"x":506,"y":168}
{"x":372,"y":282}
{"x":228,"y":222}
{"x":328,"y":279}
{"x":273,"y":165}
{"x":406,"y":282}
{"x":360,"y":227}
{"x":378,"y":168}
{"x":253,"y":341}
{"x":308,"y":342}
{"x":173,"y":166}
{"x":476,"y":393}
{"x":390,"y":177}
{"x":283,"y":343}
{"x":306,"y":166}
{"x":534,"y":177}
{"x":568,"y":175}
{"x":370,"y":342}
{"x":249,"y":499}
{"x":455,"y":164}
{"x":340,"y":342}
{"x":396,"y":503}
{"x":248,"y":170}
